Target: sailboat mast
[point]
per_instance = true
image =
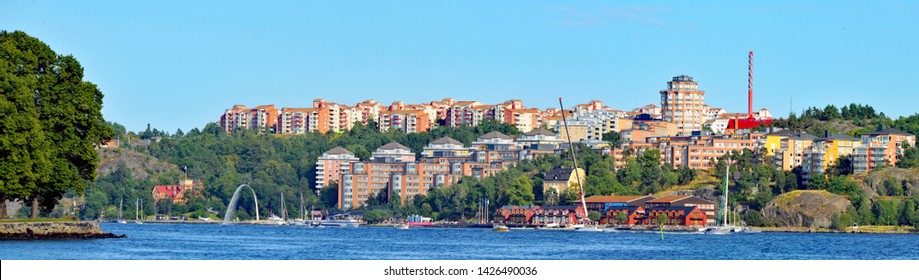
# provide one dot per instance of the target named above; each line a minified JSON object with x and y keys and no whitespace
{"x":573,"y":158}
{"x":724,"y":210}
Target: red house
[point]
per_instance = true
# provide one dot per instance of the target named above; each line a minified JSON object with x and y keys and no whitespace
{"x":632,"y":214}
{"x":561,"y":215}
{"x":515,"y":214}
{"x":675,"y":216}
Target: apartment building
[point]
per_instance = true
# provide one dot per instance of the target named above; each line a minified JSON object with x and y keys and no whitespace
{"x":825,"y":151}
{"x":791,"y":150}
{"x":262,"y":118}
{"x":332,"y":164}
{"x":408,"y":121}
{"x":882,"y":147}
{"x":682,"y":103}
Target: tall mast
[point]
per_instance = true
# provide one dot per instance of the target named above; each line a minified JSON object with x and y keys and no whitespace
{"x":573,"y":158}
{"x":724,"y":210}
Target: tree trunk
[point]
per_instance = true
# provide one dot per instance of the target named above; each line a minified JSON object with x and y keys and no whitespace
{"x":2,"y":206}
{"x":34,"y":207}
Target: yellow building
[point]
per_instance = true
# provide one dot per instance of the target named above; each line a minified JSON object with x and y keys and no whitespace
{"x":774,"y":141}
{"x":791,"y":152}
{"x":825,"y":151}
{"x":578,"y":132}
{"x":561,"y":179}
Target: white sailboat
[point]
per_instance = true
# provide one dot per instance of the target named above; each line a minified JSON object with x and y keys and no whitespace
{"x":121,"y":211}
{"x":137,"y":219}
{"x":584,"y":224}
{"x":725,"y":227}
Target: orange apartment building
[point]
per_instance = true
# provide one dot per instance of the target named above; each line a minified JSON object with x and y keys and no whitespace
{"x":697,"y":152}
{"x":408,"y":121}
{"x":332,"y":164}
{"x":882,"y":147}
{"x":262,"y":118}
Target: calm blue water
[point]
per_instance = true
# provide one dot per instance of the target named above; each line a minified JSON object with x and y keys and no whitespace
{"x":245,"y":242}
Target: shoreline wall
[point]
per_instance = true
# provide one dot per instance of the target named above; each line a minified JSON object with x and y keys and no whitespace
{"x":53,"y":230}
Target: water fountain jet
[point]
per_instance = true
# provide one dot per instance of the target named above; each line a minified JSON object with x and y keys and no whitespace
{"x":231,"y":209}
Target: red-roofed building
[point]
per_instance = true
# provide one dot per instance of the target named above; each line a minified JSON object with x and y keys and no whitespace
{"x":177,"y":193}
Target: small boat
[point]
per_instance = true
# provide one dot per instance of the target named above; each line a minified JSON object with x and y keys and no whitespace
{"x":584,"y":228}
{"x":339,"y":223}
{"x":609,"y":229}
{"x":402,"y":226}
{"x":499,"y":228}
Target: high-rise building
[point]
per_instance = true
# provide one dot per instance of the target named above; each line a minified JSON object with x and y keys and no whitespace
{"x":683,"y":104}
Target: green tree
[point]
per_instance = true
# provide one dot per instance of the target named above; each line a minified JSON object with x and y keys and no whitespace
{"x":375,"y":216}
{"x":753,"y":218}
{"x":329,"y":195}
{"x":24,"y":151}
{"x":57,"y":89}
{"x":594,"y":216}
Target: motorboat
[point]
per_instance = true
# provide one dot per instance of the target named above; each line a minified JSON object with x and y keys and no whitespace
{"x":402,"y":226}
{"x":339,"y":223}
{"x":499,"y":228}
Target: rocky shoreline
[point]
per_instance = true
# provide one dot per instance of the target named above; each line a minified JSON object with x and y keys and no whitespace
{"x":53,"y":230}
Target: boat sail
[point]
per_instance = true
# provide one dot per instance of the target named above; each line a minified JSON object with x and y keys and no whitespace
{"x":583,"y":224}
{"x":725,"y":227}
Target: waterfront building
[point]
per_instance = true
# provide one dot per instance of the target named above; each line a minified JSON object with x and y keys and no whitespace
{"x":332,"y":164}
{"x":177,"y":193}
{"x":622,"y":215}
{"x":882,"y":147}
{"x":560,"y":215}
{"x":600,"y":203}
{"x":675,"y":216}
{"x":396,"y":179}
{"x":517,"y":215}
{"x":677,"y":203}
{"x":682,"y":104}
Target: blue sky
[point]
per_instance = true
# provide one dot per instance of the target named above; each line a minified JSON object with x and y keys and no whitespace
{"x":176,"y":64}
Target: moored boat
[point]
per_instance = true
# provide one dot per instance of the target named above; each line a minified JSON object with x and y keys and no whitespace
{"x":499,"y":228}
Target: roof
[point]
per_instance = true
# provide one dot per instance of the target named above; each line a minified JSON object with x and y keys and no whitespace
{"x":464,"y":103}
{"x":802,"y":136}
{"x":495,"y":134}
{"x":557,"y":207}
{"x":887,"y":131}
{"x":299,"y":110}
{"x":782,"y":133}
{"x":839,"y":136}
{"x":401,"y":112}
{"x":613,"y":198}
{"x":394,"y":146}
{"x":558,"y":174}
{"x":666,"y":199}
{"x":529,"y":110}
{"x":339,"y":151}
{"x":540,"y":131}
{"x":446,"y":140}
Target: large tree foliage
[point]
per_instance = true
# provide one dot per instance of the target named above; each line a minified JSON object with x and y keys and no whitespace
{"x":68,"y":111}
